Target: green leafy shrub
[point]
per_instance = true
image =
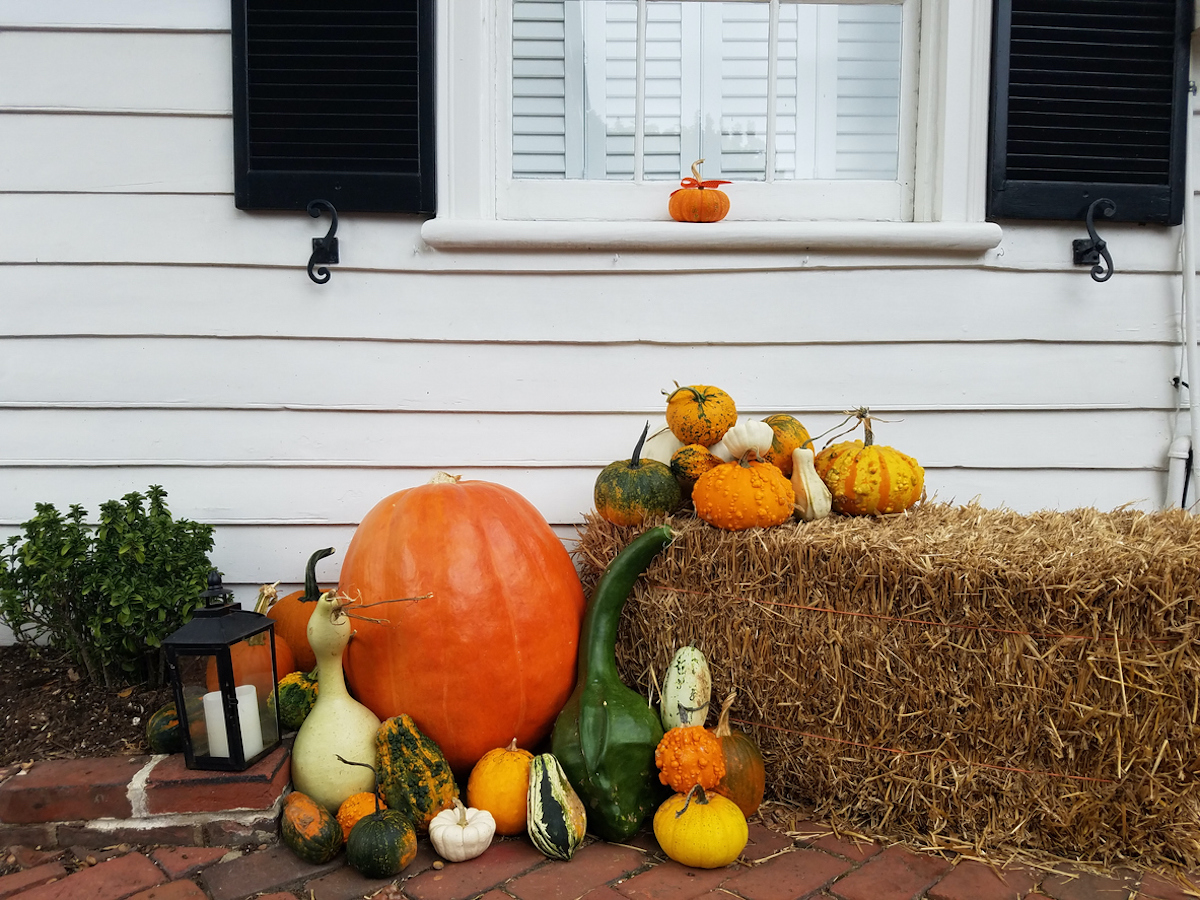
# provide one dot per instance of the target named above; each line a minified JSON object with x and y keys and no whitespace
{"x":106,"y":596}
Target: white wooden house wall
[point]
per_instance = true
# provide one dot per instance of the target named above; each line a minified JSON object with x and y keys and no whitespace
{"x":151,"y":333}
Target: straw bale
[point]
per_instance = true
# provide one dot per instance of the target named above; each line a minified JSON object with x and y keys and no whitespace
{"x":966,"y":677}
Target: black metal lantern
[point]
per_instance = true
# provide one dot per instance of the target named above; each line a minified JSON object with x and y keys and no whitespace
{"x":222,"y":666}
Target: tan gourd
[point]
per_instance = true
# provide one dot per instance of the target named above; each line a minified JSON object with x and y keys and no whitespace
{"x":813,"y":499}
{"x":338,"y":725}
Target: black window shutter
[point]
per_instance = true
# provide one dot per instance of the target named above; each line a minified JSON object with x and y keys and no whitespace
{"x":1089,"y":100}
{"x":334,"y":101}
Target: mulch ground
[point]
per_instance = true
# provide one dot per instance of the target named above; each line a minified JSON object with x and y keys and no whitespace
{"x":50,"y":710}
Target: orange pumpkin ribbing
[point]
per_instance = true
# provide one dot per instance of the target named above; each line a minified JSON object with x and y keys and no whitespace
{"x":492,"y":653}
{"x":867,"y":479}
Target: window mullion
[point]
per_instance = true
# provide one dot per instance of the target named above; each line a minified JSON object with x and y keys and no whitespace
{"x":639,"y":114}
{"x":772,"y":87}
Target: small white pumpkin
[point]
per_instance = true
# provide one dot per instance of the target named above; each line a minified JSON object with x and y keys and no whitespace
{"x":661,"y":445}
{"x":813,"y":499}
{"x":461,"y":833}
{"x":747,"y":436}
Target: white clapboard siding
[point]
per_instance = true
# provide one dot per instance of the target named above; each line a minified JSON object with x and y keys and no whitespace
{"x":139,"y":14}
{"x":94,"y":153}
{"x":896,"y":306}
{"x":560,"y":378}
{"x":170,"y":72}
{"x":114,"y":437}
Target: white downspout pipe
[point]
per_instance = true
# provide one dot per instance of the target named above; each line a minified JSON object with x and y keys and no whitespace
{"x":1191,"y":354}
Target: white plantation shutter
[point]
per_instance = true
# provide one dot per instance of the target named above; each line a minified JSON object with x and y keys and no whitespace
{"x":706,"y":90}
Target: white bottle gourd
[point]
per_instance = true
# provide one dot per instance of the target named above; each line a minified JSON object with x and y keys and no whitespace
{"x":338,"y":725}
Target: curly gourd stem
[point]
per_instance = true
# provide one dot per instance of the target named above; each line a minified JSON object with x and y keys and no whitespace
{"x":312,"y":593}
{"x":702,"y":799}
{"x":351,"y":762}
{"x":696,"y":173}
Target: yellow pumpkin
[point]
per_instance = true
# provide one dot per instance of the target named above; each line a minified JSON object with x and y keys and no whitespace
{"x":866,"y":479}
{"x":499,"y":783}
{"x":706,"y":831}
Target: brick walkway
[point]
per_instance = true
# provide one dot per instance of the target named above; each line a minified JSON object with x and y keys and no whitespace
{"x":818,"y":865}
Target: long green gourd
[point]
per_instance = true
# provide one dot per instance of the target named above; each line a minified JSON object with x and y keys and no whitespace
{"x":605,"y":736}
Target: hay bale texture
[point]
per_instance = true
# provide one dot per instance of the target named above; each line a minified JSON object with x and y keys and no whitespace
{"x":974,"y":679}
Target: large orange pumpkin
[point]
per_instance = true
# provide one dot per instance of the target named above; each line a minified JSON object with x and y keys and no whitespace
{"x":491,"y":654}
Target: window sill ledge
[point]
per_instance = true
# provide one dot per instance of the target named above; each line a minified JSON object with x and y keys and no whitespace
{"x":862,"y":237}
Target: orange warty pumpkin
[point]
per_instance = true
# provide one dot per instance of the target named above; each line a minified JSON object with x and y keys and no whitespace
{"x":698,"y":201}
{"x":491,"y":654}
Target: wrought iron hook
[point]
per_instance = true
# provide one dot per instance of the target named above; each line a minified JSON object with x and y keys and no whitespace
{"x":324,"y":250}
{"x":1089,"y":251}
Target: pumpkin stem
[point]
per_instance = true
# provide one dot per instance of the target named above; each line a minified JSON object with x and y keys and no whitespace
{"x":512,"y":746}
{"x":702,"y":799}
{"x":374,"y":773}
{"x":445,"y":478}
{"x":696,"y":172}
{"x":462,"y":811}
{"x":312,"y":593}
{"x":722,"y":729}
{"x":267,"y":595}
{"x":636,"y":460}
{"x":865,"y":415}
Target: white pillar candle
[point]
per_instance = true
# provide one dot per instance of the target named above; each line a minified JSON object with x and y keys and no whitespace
{"x":214,"y":723}
{"x":248,"y":722}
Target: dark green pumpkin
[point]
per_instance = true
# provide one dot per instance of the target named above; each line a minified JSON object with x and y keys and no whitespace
{"x":164,"y":731}
{"x":629,"y":491}
{"x":309,"y":830}
{"x":414,"y":777}
{"x":381,"y":844}
{"x":556,"y":820}
{"x":297,"y":694}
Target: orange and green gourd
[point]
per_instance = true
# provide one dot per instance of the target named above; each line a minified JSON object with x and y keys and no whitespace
{"x":867,"y":479}
{"x":309,"y":830}
{"x":631,"y":490}
{"x":689,"y":462}
{"x":414,"y":777}
{"x":499,"y":783}
{"x":744,"y":494}
{"x":789,"y":434}
{"x":698,"y":201}
{"x":688,"y":755}
{"x":164,"y":731}
{"x":700,"y":413}
{"x":297,"y":696}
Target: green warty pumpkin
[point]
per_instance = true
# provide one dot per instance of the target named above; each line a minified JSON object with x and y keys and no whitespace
{"x":414,"y":777}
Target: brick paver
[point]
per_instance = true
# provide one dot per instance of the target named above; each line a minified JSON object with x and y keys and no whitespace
{"x":175,"y":890}
{"x":180,"y":862}
{"x":500,"y":862}
{"x":1088,"y":886}
{"x":274,"y":869}
{"x":763,"y":842}
{"x":592,"y":866}
{"x":671,"y":881}
{"x":1155,"y":887}
{"x":28,"y":878}
{"x":115,"y":879}
{"x":971,"y":880}
{"x":820,"y":837}
{"x":174,"y":788}
{"x":896,"y":873}
{"x":68,"y":790}
{"x":790,"y":875}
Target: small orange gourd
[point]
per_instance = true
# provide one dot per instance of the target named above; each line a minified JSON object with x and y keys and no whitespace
{"x":355,"y":807}
{"x":745,"y":779}
{"x":499,"y":783}
{"x":698,"y":201}
{"x":689,"y":755}
{"x":743,"y":494}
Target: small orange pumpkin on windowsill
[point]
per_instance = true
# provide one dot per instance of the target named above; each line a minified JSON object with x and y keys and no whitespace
{"x":698,"y":201}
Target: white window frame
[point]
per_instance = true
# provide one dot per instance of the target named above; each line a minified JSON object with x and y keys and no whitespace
{"x":949,"y":156}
